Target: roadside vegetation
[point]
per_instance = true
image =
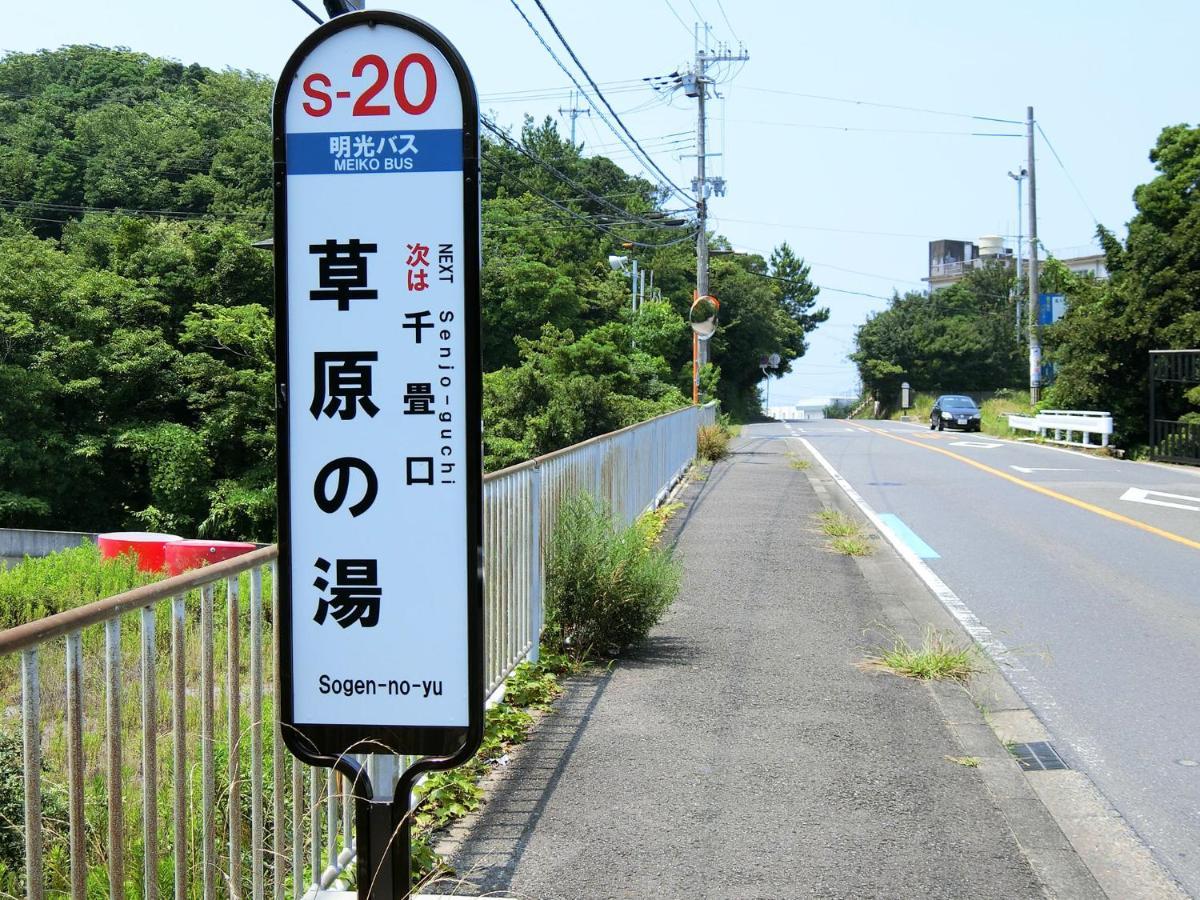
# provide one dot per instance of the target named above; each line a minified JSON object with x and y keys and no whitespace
{"x":969,"y":762}
{"x":78,"y":576}
{"x":136,"y":382}
{"x":964,"y":339}
{"x":846,"y":535}
{"x":712,"y":442}
{"x":607,"y":584}
{"x":937,"y":658}
{"x":445,"y":797}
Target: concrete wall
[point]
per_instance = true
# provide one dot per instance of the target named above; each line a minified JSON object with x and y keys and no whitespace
{"x":17,"y":543}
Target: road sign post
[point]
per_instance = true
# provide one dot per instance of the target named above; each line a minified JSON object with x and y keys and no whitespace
{"x":377,"y":261}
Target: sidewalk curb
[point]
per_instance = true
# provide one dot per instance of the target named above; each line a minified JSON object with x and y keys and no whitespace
{"x":1077,"y":844}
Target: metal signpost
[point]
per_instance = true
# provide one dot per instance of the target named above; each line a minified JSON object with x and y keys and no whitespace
{"x":377,"y":259}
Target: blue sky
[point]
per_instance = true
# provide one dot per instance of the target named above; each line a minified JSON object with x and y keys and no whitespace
{"x":857,"y":189}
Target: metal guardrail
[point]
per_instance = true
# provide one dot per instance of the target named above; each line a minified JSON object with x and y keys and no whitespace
{"x":244,"y":821}
{"x":1066,"y":422}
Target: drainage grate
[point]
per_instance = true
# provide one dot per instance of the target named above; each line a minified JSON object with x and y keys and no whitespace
{"x":1037,"y":756}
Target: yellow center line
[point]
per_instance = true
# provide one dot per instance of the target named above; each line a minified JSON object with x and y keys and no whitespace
{"x":1090,"y":507}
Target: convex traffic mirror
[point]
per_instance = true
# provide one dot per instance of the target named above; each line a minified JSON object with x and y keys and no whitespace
{"x":703,"y":316}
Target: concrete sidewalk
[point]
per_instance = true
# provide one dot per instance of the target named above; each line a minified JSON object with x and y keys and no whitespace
{"x":741,"y":753}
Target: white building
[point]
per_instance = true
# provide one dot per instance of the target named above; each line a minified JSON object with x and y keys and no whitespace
{"x":950,"y":260}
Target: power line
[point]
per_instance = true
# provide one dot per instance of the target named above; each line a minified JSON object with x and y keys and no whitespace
{"x":1063,"y":166}
{"x":614,"y":87}
{"x":575,"y":81}
{"x":819,"y":287}
{"x":896,"y":234}
{"x":816,"y":262}
{"x":598,"y":226}
{"x":728,"y":24}
{"x":878,"y":105}
{"x":682,"y":23}
{"x":311,"y":14}
{"x":876,"y":130}
{"x":24,"y":206}
{"x":565,"y":179}
{"x":603,"y":99}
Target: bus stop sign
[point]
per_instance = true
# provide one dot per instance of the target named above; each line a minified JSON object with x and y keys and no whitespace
{"x":377,"y":259}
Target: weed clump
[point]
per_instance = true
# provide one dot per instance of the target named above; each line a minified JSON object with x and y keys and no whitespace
{"x":937,"y":658}
{"x":712,"y":442}
{"x":846,"y":535}
{"x":606,"y":585}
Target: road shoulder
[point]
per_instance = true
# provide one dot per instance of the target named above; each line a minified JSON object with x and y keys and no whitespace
{"x":1078,"y":845}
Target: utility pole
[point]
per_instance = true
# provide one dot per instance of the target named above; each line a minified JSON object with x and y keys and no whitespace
{"x":1035,"y":342}
{"x":574,"y":112}
{"x":696,"y":85}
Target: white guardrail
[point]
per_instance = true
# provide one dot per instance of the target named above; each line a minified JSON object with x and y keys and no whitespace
{"x":1065,"y":423}
{"x":157,"y":759}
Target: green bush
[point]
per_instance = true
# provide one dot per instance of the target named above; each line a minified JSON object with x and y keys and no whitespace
{"x":39,"y":587}
{"x":605,"y":588}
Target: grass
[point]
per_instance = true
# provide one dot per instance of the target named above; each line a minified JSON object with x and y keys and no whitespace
{"x":652,"y":522}
{"x":712,"y":442}
{"x":445,"y":797}
{"x":836,"y":524}
{"x":798,"y":464}
{"x":851,"y":546}
{"x":970,"y":762}
{"x":937,"y":659}
{"x":79,"y":576}
{"x":846,"y":535}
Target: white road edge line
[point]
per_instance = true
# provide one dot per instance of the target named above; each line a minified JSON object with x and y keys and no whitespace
{"x":981,"y":634}
{"x":1038,"y":698}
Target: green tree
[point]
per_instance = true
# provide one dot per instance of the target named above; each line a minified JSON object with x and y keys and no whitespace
{"x":959,"y":338}
{"x":1150,"y":302}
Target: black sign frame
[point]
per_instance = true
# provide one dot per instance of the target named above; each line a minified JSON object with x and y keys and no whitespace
{"x":325,"y":744}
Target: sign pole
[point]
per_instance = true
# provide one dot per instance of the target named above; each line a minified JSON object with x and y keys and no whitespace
{"x":383,"y":863}
{"x":379,"y":398}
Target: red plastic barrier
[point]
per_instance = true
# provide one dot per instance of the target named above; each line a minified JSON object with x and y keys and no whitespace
{"x":182,"y":555}
{"x":146,"y":545}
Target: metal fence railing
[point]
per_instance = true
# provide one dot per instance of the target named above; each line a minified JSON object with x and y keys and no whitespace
{"x":152,"y":759}
{"x":1172,"y":374}
{"x":1172,"y":441}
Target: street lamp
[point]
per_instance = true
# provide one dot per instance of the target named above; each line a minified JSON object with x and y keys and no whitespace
{"x":771,"y":362}
{"x":1018,"y":176}
{"x":627,"y":264}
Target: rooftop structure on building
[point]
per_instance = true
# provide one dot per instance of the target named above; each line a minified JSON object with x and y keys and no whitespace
{"x":950,"y":260}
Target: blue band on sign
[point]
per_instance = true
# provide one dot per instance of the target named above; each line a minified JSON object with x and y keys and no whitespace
{"x":374,"y":152}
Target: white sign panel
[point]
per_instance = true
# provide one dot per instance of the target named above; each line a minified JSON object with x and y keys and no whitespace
{"x":379,"y":422}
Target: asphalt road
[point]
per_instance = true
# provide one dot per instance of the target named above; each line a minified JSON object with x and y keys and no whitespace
{"x":740,"y":752}
{"x":1097,"y":597}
